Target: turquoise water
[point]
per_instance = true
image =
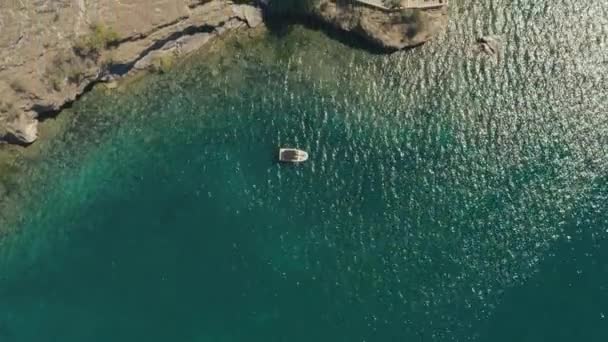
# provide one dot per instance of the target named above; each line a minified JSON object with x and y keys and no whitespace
{"x":449,"y":197}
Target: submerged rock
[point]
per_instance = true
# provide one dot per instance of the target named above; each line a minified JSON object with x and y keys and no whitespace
{"x":490,"y":45}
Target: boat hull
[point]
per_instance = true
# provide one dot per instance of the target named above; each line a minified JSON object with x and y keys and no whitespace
{"x":292,"y":155}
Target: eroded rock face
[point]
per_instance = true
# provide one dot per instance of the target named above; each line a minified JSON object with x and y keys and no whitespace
{"x":22,"y":130}
{"x":387,"y":29}
{"x":40,"y":72}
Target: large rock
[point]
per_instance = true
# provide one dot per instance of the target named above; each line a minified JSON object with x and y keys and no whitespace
{"x":388,"y":29}
{"x":252,"y":15}
{"x":22,"y":130}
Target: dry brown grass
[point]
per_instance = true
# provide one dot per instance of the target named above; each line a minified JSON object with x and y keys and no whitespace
{"x":98,"y":39}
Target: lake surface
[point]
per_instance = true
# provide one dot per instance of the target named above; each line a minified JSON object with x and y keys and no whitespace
{"x":450,"y":196}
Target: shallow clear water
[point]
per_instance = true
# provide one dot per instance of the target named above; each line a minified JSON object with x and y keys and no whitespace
{"x":449,"y":197}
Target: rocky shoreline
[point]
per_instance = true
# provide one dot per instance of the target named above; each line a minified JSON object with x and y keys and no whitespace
{"x":38,"y":80}
{"x":51,"y":52}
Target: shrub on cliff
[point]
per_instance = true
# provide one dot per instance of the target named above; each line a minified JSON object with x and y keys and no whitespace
{"x":163,"y":64}
{"x":67,"y":68}
{"x":412,"y":18}
{"x":98,"y":39}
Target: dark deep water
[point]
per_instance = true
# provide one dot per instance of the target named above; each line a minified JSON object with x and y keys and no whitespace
{"x":448,"y":197}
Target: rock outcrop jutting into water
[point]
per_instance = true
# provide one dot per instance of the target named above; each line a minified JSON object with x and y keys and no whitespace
{"x":409,"y":23}
{"x":389,"y":24}
{"x":52,"y":51}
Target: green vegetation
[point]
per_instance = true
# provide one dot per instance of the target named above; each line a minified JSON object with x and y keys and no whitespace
{"x":162,"y":64}
{"x":71,"y":67}
{"x":166,"y":62}
{"x":413,"y":19}
{"x":108,"y":60}
{"x":67,"y":67}
{"x":100,"y":38}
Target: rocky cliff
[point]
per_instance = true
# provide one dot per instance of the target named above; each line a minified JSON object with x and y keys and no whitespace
{"x":52,"y":50}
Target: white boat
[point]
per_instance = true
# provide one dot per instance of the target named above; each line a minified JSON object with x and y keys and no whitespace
{"x":292,"y":155}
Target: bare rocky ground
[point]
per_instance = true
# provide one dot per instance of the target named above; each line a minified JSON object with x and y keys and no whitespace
{"x":42,"y":68}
